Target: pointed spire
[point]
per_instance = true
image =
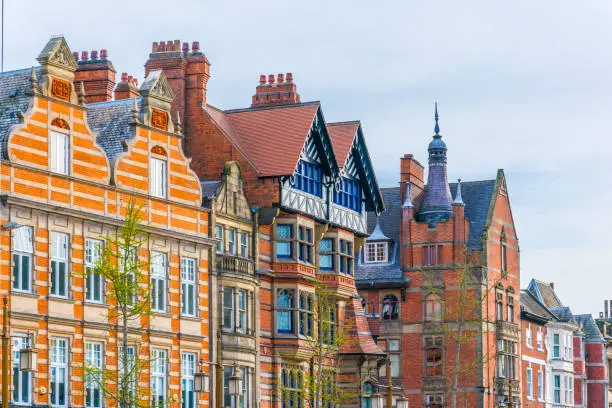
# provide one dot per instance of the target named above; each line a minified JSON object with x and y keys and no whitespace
{"x":407,"y":201}
{"x":458,"y":198}
{"x":437,"y":127}
{"x":377,"y":234}
{"x":178,"y":128}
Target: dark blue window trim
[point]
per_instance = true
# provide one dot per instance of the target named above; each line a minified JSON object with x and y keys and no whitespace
{"x":308,"y":178}
{"x":348,"y":195}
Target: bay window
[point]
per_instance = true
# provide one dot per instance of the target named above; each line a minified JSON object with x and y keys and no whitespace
{"x":93,"y":281}
{"x":284,"y":235}
{"x":285,"y":306}
{"x":305,"y":244}
{"x":506,"y":359}
{"x":241,"y":325}
{"x":59,"y":264}
{"x":244,"y":245}
{"x":188,"y":286}
{"x":556,"y":346}
{"x":326,"y":256}
{"x":23,"y":249}
{"x":306,"y":314}
{"x":58,"y":387}
{"x":231,"y":241}
{"x":158,"y":378}
{"x":228,"y":308}
{"x":219,"y":234}
{"x":158,"y":281}
{"x":557,"y":389}
{"x":346,"y":256}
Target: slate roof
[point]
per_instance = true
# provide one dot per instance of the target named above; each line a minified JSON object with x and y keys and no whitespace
{"x":531,"y":304}
{"x":209,"y":189}
{"x":477,"y":196}
{"x":342,"y":135}
{"x":389,"y":222}
{"x":270,"y":138}
{"x":545,"y":293}
{"x":15,"y":96}
{"x":592,"y":334}
{"x":111,"y":120}
{"x":563,"y":313}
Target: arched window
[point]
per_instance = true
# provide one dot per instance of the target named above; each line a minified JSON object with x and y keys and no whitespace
{"x":390,"y":308}
{"x":433,"y":308}
{"x":59,"y":151}
{"x":284,"y":314}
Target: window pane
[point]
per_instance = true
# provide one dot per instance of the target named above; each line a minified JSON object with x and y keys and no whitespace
{"x":283,"y":231}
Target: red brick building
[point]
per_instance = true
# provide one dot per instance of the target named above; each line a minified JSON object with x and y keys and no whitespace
{"x":428,"y":255}
{"x":310,"y":184}
{"x":534,"y":350}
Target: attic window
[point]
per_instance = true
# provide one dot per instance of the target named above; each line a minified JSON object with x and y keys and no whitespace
{"x":348,"y":194}
{"x":158,"y":173}
{"x":376,"y":252}
{"x":308,"y":178}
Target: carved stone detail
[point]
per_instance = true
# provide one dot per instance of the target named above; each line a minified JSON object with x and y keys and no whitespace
{"x":159,"y":119}
{"x":60,"y":89}
{"x":60,"y":123}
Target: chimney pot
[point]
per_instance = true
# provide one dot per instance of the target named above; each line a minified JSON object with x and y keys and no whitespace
{"x":177,"y":45}
{"x":154,"y":46}
{"x":281,"y":79}
{"x":289,"y":77}
{"x":195,"y":46}
{"x":130,"y":78}
{"x":169,"y":46}
{"x":103,"y":54}
{"x":124,"y":77}
{"x":75,"y":54}
{"x":84,"y":55}
{"x":162,"y":46}
{"x":271,"y":79}
{"x":262,"y":80}
{"x":94,"y":55}
{"x":185,"y":47}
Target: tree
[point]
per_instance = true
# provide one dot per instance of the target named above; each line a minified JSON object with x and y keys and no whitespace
{"x":461,"y":321}
{"x":129,"y":298}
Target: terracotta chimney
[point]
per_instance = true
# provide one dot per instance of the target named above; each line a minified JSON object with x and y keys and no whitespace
{"x":127,"y":88}
{"x":97,"y":75}
{"x":283,"y":92}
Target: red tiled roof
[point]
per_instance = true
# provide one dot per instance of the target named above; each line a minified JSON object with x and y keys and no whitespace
{"x":342,"y":135}
{"x":269,"y":138}
{"x":356,"y":331}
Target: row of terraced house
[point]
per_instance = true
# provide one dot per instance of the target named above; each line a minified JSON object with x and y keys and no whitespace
{"x":253,"y":216}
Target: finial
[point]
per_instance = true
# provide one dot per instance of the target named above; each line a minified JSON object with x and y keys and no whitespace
{"x":33,"y":81}
{"x":178,"y":128}
{"x":407,"y":201}
{"x":81,"y":93}
{"x":437,"y":127}
{"x":458,"y":198}
{"x":134,"y":112}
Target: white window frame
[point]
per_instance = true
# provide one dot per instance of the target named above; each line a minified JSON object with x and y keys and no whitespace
{"x":556,"y":345}
{"x":20,"y":379}
{"x":59,"y":152}
{"x":220,"y":237}
{"x":159,"y":378}
{"x":242,"y":320}
{"x":555,"y":389}
{"x":158,"y":281}
{"x":158,"y":177}
{"x":58,"y":245}
{"x":59,"y":364}
{"x":529,"y":337}
{"x":23,"y":250}
{"x":94,"y":284}
{"x":188,"y":369}
{"x":371,"y":254}
{"x":540,"y":339}
{"x":93,"y":359}
{"x":540,"y":385}
{"x":231,"y":241}
{"x":131,"y":360}
{"x":529,"y":381}
{"x":188,"y":286}
{"x":244,"y":245}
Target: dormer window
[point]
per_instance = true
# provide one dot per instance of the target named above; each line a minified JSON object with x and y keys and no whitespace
{"x":376,"y":252}
{"x":348,"y":195}
{"x":308,"y":178}
{"x":158,"y":173}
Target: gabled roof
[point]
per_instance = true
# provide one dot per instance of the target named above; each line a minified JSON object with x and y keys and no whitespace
{"x":592,"y":334}
{"x":111,"y":120}
{"x":15,"y":96}
{"x":477,"y":197}
{"x":545,"y":293}
{"x":270,"y":138}
{"x":343,"y":134}
{"x":533,"y":306}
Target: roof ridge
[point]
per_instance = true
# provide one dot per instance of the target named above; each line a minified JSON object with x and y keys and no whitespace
{"x":113,"y":102}
{"x":293,"y":105}
{"x":17,"y":71}
{"x":347,"y":122}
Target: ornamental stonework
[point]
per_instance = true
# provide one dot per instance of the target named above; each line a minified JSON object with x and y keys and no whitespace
{"x":60,"y":89}
{"x":159,"y":119}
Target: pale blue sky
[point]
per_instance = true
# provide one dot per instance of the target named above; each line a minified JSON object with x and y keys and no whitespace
{"x":522,"y":85}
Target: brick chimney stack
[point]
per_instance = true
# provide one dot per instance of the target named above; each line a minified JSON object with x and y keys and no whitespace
{"x":97,"y":74}
{"x":127,"y":88}
{"x":188,"y":72}
{"x":281,"y":91}
{"x":411,"y":171}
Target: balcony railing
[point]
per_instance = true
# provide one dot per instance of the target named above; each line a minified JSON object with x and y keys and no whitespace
{"x":507,"y":330}
{"x":235,"y":265}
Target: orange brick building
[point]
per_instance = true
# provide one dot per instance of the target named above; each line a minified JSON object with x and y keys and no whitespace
{"x":437,"y":269}
{"x":68,"y":171}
